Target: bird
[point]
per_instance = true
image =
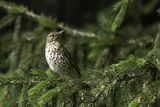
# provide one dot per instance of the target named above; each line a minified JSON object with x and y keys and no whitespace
{"x":59,"y":58}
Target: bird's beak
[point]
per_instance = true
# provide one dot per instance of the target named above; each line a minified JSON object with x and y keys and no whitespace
{"x":60,"y":32}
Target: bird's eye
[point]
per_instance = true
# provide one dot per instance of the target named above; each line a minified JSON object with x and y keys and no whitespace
{"x":52,"y":35}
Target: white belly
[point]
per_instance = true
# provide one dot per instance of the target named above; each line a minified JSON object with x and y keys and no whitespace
{"x":50,"y":56}
{"x":53,"y":58}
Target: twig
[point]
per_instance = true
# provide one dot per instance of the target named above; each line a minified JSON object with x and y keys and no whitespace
{"x":7,"y":22}
{"x":20,"y":81}
{"x":76,"y":32}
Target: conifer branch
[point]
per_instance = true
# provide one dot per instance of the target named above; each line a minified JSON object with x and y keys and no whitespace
{"x":76,"y":32}
{"x":119,"y":18}
{"x":14,"y":81}
{"x":6,"y":20}
{"x":23,"y":10}
{"x":23,"y":96}
{"x":157,"y":40}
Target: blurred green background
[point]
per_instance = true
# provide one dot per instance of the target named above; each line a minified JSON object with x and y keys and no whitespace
{"x":112,"y":41}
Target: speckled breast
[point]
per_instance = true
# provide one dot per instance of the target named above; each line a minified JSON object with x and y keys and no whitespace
{"x":55,"y":57}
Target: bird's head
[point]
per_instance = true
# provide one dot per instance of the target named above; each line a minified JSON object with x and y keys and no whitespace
{"x":53,"y":36}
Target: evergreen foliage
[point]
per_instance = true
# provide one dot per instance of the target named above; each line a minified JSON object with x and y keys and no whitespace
{"x":119,"y":59}
{"x":118,"y":20}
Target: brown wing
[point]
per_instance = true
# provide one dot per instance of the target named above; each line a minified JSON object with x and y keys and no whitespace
{"x":71,"y":61}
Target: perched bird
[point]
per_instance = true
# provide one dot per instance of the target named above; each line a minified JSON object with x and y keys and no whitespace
{"x":58,"y":57}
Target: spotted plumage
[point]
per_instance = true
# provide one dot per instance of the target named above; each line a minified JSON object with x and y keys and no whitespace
{"x":58,"y":57}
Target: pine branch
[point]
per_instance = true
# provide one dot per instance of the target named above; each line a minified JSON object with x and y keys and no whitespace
{"x":154,"y":54}
{"x":39,"y":18}
{"x":17,"y":81}
{"x":6,"y":20}
{"x":119,"y":18}
{"x":76,"y":32}
{"x":38,"y":87}
{"x":125,"y":71}
{"x":53,"y":92}
{"x":157,"y":40}
{"x":23,"y":96}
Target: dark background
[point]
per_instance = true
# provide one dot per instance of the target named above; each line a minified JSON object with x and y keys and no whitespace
{"x":79,"y":12}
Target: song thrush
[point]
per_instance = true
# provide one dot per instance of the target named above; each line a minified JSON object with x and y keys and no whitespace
{"x":58,"y":57}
